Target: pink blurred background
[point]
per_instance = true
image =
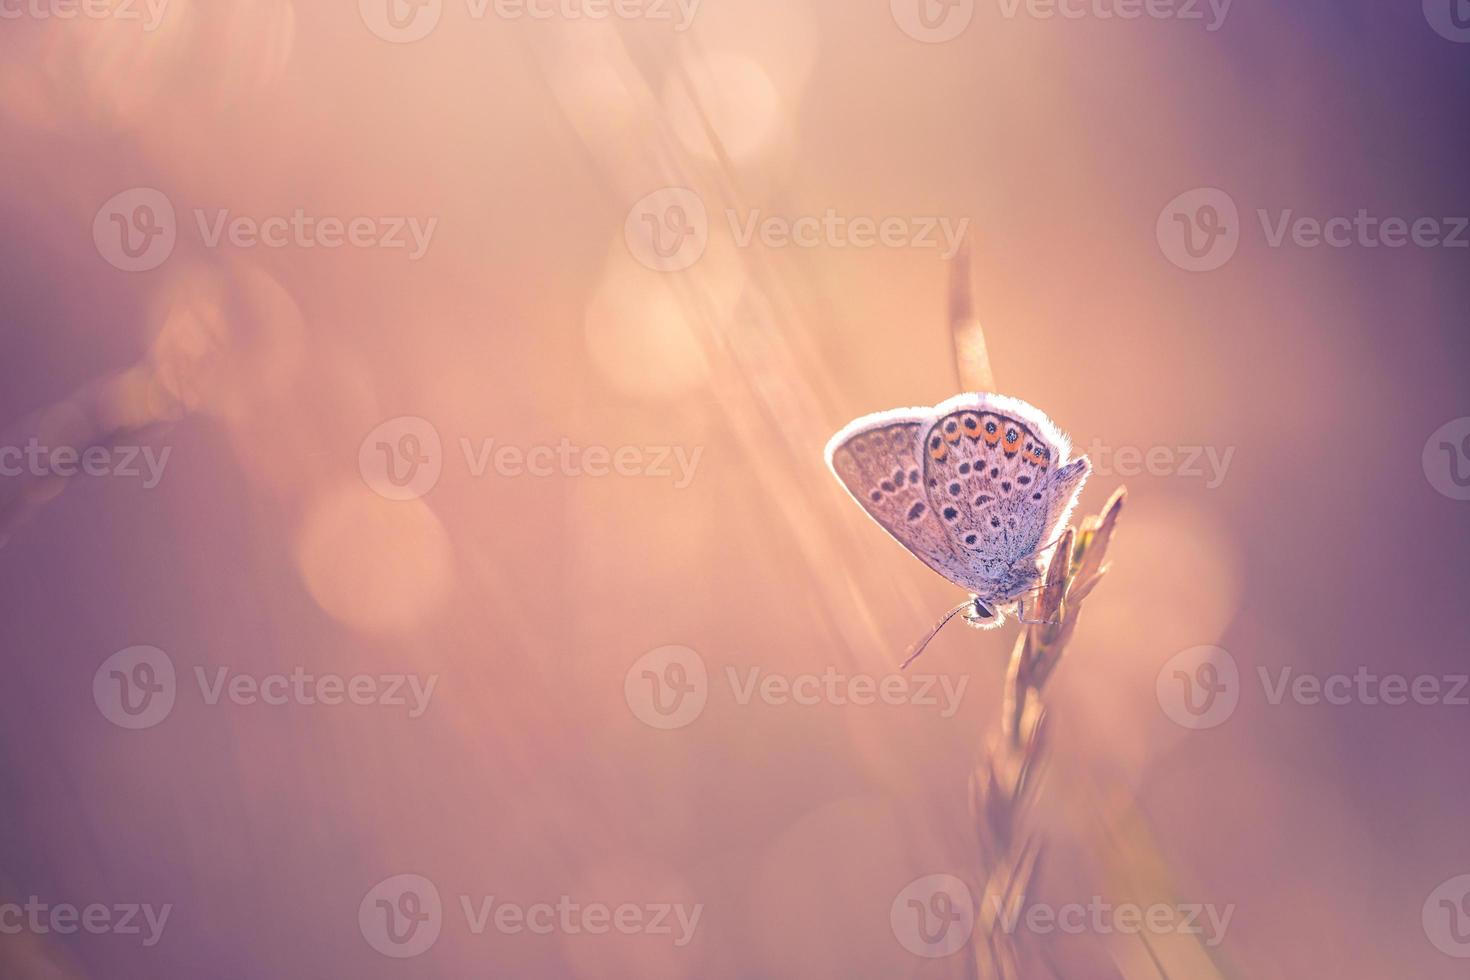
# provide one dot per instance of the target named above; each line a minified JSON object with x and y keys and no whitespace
{"x":1331,"y":538}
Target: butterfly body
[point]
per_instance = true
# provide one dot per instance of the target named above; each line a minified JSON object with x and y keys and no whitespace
{"x":975,"y":488}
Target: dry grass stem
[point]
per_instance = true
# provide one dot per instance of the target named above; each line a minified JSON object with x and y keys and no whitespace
{"x":1004,"y":784}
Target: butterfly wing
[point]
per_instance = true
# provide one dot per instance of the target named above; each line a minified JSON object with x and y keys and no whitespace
{"x":877,"y":459}
{"x":997,"y":475}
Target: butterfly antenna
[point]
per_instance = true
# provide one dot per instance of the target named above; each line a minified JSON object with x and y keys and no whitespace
{"x":919,"y":647}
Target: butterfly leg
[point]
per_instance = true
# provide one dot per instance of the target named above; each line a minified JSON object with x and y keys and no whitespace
{"x":1021,"y":616}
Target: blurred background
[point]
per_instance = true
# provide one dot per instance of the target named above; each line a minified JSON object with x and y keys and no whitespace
{"x":488,"y":351}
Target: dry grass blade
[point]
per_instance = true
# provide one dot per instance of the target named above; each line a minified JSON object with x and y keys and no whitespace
{"x":972,"y":359}
{"x":1008,"y":775}
{"x":1006,"y":780}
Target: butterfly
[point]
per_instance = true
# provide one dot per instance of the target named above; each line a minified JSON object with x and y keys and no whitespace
{"x":973,"y":487}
